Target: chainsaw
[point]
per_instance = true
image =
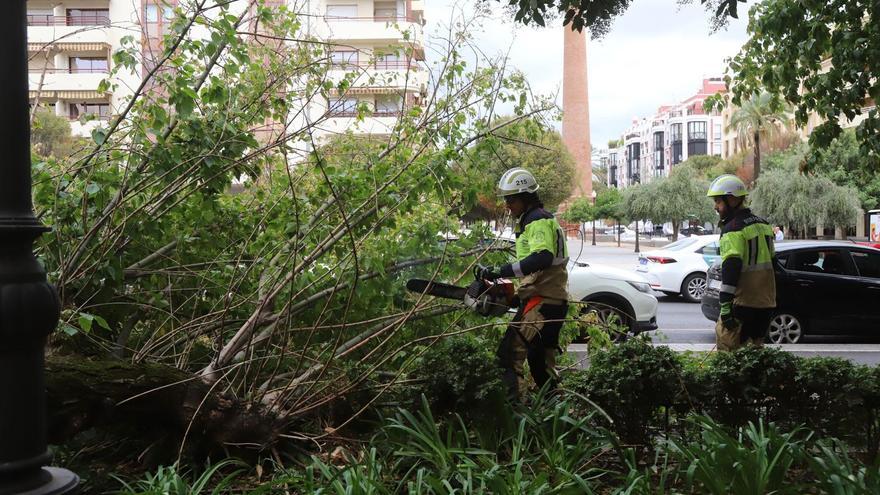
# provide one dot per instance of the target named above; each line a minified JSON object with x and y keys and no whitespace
{"x":485,"y":297}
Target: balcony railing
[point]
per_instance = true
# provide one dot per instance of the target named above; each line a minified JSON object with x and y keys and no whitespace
{"x":353,"y":113}
{"x":378,"y":65}
{"x":375,"y":18}
{"x":68,"y":20}
{"x":71,"y":70}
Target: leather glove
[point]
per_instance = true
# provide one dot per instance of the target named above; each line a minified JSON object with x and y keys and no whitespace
{"x":487,"y":273}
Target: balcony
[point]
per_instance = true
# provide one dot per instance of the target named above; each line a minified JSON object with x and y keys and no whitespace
{"x":376,"y":29}
{"x":62,"y":80}
{"x":382,"y":75}
{"x":47,"y":29}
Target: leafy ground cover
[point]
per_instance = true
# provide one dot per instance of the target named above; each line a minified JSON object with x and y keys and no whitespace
{"x":639,"y":420}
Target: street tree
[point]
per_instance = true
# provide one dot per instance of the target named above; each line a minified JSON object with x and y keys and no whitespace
{"x":682,"y":196}
{"x":846,"y":164}
{"x":247,"y":312}
{"x":821,"y":58}
{"x":580,"y":211}
{"x":51,"y":136}
{"x":639,"y":204}
{"x":757,"y":118}
{"x":609,"y":205}
{"x":801,"y":201}
{"x":530,"y":144}
{"x":597,"y":15}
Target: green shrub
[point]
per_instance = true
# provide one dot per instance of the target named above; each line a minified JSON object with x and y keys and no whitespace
{"x":460,"y":375}
{"x":635,"y":383}
{"x":744,"y":385}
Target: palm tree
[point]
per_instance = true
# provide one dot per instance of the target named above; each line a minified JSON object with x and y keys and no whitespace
{"x":759,"y":116}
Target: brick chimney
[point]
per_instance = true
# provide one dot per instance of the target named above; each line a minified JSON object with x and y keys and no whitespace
{"x":576,"y":108}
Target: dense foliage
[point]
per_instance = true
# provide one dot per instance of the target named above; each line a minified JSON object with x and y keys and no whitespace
{"x":290,"y":294}
{"x":822,"y":57}
{"x":640,"y":420}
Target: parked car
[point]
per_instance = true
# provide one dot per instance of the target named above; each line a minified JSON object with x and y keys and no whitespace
{"x":619,"y":296}
{"x":680,"y":267}
{"x":698,"y":230}
{"x":875,"y":245}
{"x":822,"y":288}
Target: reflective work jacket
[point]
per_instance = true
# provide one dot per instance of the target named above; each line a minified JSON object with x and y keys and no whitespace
{"x":749,"y":238}
{"x":535,"y":231}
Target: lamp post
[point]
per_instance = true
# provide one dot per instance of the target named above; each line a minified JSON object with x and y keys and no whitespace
{"x":29,"y":306}
{"x":593,"y":197}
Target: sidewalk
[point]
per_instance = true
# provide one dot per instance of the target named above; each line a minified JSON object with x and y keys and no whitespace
{"x":868,"y":354}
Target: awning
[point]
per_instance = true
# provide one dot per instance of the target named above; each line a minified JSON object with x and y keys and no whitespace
{"x":68,"y":47}
{"x":68,"y":95}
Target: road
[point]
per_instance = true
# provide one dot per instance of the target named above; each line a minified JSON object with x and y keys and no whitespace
{"x":683,"y":326}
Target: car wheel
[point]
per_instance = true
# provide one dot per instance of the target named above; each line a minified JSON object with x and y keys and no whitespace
{"x":693,"y":287}
{"x":611,"y":317}
{"x":785,"y":328}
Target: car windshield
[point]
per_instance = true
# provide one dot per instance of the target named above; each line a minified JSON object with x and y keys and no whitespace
{"x":681,"y":244}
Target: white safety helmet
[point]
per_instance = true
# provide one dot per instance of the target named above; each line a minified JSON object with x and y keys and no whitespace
{"x":517,"y":180}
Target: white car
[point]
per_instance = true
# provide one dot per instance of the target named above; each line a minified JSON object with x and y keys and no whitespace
{"x":619,"y":295}
{"x":680,"y":267}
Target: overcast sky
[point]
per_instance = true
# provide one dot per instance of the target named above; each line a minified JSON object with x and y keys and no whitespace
{"x":657,"y":53}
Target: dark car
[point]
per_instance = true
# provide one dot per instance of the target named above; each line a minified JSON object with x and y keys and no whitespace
{"x":822,"y":288}
{"x":698,"y":230}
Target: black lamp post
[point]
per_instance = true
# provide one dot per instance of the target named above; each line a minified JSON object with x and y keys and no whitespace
{"x":29,"y":306}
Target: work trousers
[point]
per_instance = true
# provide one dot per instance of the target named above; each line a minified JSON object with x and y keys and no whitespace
{"x":532,"y":335}
{"x":750,"y":328}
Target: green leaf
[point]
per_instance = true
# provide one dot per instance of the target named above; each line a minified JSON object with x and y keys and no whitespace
{"x":85,"y":322}
{"x":69,"y":330}
{"x":92,"y":188}
{"x":99,"y":135}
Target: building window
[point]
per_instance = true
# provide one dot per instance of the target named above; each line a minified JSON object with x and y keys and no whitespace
{"x":342,"y":12}
{"x":388,"y":105}
{"x":99,"y":110}
{"x":385,"y":11}
{"x":697,"y":143}
{"x":40,"y":18}
{"x":79,"y":65}
{"x":390,"y":61}
{"x":151,"y":13}
{"x":632,"y":165}
{"x":658,"y":151}
{"x":88,"y":17}
{"x":675,"y":132}
{"x":343,"y":107}
{"x":343,"y":58}
{"x":696,"y":131}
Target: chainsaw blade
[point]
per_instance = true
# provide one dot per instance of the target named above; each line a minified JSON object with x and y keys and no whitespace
{"x":439,"y":289}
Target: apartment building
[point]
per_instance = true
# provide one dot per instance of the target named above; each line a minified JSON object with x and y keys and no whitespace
{"x":380,"y":46}
{"x":653,"y":145}
{"x":71,"y":44}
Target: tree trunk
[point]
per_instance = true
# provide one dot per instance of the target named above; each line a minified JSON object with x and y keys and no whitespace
{"x":152,"y":401}
{"x":617,"y":229}
{"x":675,"y":228}
{"x":594,"y":232}
{"x":757,"y":158}
{"x":637,"y":237}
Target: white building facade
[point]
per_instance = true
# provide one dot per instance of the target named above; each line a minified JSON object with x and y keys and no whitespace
{"x":71,"y":44}
{"x":652,"y":146}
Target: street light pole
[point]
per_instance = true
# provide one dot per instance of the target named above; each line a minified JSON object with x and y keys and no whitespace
{"x":593,"y":196}
{"x":29,"y":306}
